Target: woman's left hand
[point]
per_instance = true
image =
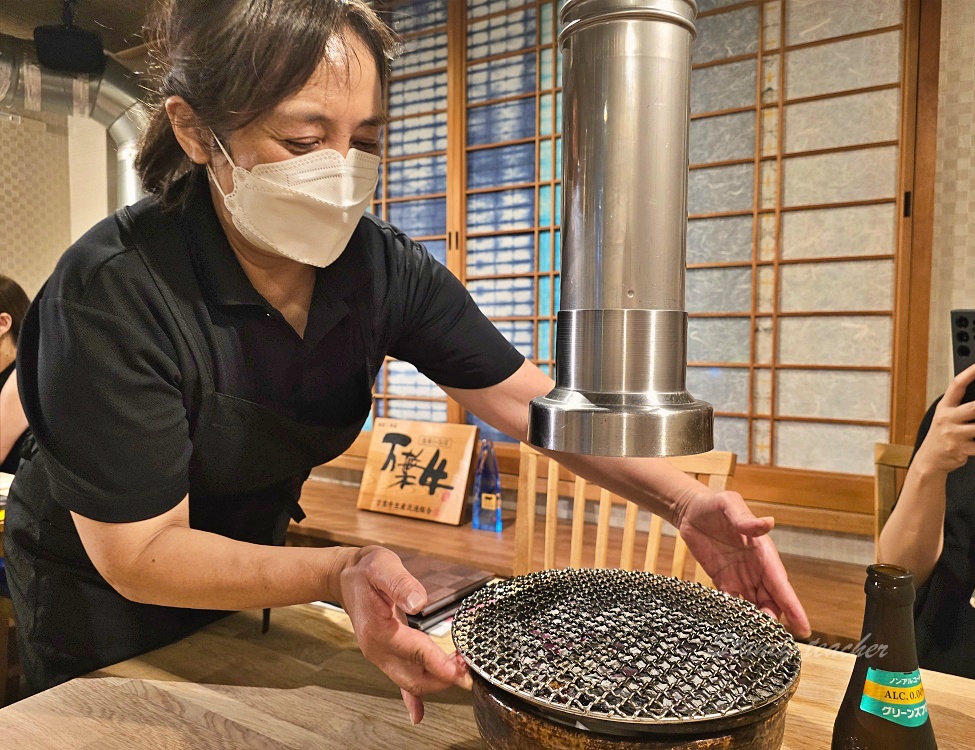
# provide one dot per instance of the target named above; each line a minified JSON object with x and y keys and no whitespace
{"x":733,"y":548}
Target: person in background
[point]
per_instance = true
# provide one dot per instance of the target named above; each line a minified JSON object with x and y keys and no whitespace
{"x":193,"y":357}
{"x":13,"y":424}
{"x":931,"y":532}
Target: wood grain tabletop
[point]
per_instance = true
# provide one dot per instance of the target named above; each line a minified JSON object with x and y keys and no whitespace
{"x":305,"y":685}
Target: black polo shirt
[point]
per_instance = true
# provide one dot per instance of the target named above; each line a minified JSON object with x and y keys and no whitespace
{"x":108,"y":401}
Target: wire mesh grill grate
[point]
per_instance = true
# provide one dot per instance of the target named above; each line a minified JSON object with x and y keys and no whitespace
{"x":628,"y":647}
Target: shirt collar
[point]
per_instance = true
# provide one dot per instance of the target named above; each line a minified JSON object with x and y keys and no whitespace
{"x":221,"y":275}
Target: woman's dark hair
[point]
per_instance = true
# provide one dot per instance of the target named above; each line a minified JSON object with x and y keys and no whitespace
{"x":235,"y":60}
{"x":13,"y":301}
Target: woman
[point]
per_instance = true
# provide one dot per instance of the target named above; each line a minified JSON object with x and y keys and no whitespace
{"x":931,"y":532}
{"x":13,"y":424}
{"x":224,"y":335}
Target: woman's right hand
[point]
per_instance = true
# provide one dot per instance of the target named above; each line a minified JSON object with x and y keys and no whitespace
{"x":950,"y":441}
{"x":376,"y":590}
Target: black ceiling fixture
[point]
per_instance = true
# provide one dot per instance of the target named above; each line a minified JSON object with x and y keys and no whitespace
{"x":68,"y":48}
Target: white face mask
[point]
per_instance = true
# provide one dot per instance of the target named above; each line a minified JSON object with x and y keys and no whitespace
{"x":305,"y":208}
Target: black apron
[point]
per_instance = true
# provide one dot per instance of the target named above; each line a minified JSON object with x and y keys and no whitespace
{"x":247,"y":468}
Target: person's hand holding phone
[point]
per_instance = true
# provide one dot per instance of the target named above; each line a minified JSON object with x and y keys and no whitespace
{"x":950,"y":441}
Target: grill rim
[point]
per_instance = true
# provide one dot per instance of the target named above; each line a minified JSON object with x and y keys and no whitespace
{"x":600,"y":722}
{"x":635,"y":731}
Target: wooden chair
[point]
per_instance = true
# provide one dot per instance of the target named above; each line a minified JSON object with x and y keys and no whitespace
{"x":890,"y":462}
{"x":713,"y":469}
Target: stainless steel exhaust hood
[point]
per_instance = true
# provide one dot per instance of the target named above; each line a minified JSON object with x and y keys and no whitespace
{"x":621,"y":348}
{"x":111,"y":99}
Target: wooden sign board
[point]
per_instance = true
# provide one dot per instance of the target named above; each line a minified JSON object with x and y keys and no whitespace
{"x":418,"y":469}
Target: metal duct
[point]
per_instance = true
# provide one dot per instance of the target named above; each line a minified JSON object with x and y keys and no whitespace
{"x":112,"y":100}
{"x":621,"y":347}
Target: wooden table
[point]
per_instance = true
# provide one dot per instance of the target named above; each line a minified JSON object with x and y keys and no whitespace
{"x":332,"y":518}
{"x":305,"y":685}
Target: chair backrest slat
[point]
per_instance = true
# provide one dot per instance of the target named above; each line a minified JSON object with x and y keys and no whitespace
{"x":629,"y":536}
{"x":712,"y":469}
{"x":602,"y":529}
{"x":525,"y":513}
{"x":653,"y":543}
{"x":578,"y":523}
{"x":551,"y":514}
{"x":680,"y":558}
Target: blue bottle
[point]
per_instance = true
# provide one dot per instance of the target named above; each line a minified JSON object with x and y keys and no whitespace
{"x":487,"y":490}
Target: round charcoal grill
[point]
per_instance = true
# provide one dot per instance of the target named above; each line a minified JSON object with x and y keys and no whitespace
{"x":628,"y":653}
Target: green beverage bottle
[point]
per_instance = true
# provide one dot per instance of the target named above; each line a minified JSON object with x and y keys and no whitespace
{"x":884,"y":706}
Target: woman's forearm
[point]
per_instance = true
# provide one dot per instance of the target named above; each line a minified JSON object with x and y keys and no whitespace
{"x":914,"y":534}
{"x":651,"y":483}
{"x":162,"y":560}
{"x":184,"y":567}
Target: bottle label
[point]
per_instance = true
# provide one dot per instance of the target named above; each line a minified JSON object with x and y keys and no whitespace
{"x":895,"y":696}
{"x":489,"y":501}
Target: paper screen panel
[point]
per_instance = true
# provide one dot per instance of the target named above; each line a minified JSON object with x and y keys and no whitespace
{"x":847,"y":449}
{"x":725,"y":388}
{"x":844,"y":65}
{"x":726,"y":35}
{"x":718,"y":340}
{"x":715,"y":189}
{"x":815,"y":20}
{"x":722,"y":138}
{"x":843,"y":286}
{"x":705,"y":5}
{"x":731,"y":434}
{"x":719,"y":290}
{"x":855,"y":340}
{"x":413,"y":188}
{"x":720,"y":87}
{"x":719,"y":240}
{"x":422,"y":176}
{"x":842,"y":177}
{"x":833,"y":394}
{"x":832,"y":232}
{"x":496,"y":255}
{"x":870,"y":117}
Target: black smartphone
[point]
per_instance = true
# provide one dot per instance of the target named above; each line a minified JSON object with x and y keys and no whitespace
{"x":963,"y":345}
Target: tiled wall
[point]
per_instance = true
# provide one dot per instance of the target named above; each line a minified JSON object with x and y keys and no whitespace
{"x":89,"y":173}
{"x":67,"y":192}
{"x":953,"y":265}
{"x":35,"y":224}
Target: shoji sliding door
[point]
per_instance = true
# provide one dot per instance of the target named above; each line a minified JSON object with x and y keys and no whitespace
{"x":801,"y":154}
{"x":513,"y":166}
{"x":413,"y":189}
{"x":794,"y":206}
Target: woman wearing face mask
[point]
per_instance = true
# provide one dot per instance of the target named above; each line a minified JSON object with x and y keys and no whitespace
{"x":13,"y":424}
{"x":222,"y":338}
